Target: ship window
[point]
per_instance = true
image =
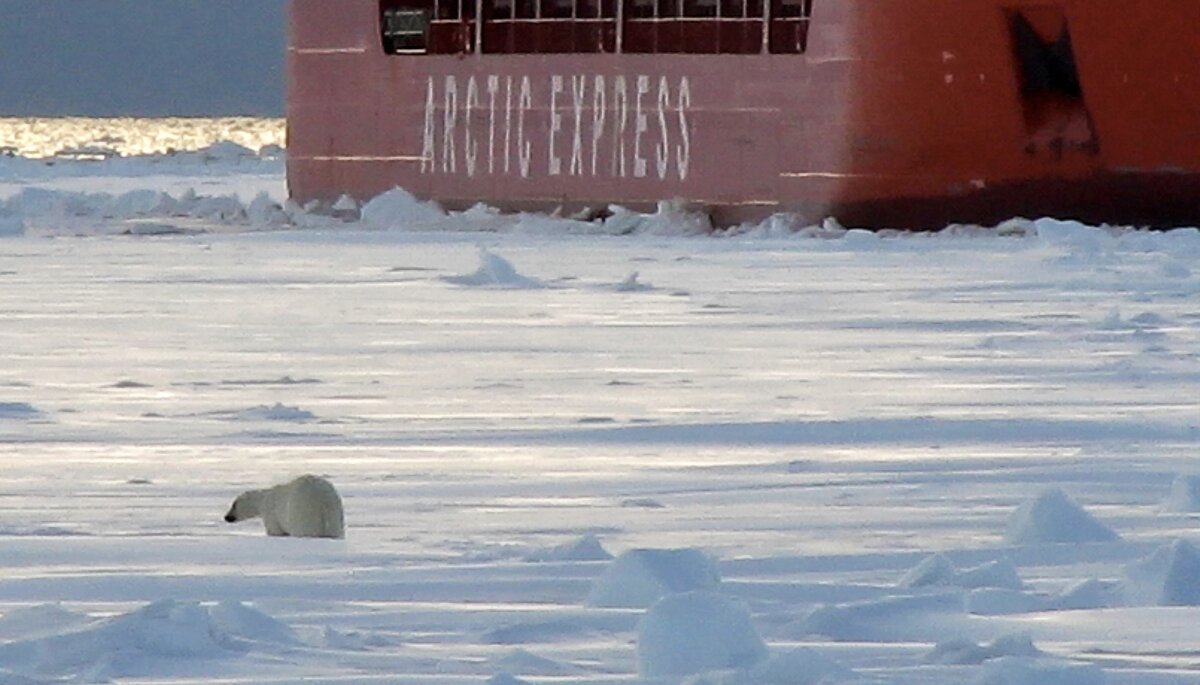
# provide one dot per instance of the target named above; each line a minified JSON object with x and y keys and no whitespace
{"x":641,"y":9}
{"x":789,"y":25}
{"x":405,"y":31}
{"x":694,"y":26}
{"x":699,"y":8}
{"x":427,"y":26}
{"x":549,"y":26}
{"x":794,"y":9}
{"x":527,"y":9}
{"x":594,"y":9}
{"x":591,"y":26}
{"x":745,"y":9}
{"x":558,"y":9}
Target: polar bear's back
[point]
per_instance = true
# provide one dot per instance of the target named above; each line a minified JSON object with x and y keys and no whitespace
{"x":308,"y":506}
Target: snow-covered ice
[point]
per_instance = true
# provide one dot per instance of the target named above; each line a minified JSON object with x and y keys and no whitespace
{"x":693,"y":632}
{"x":963,"y":651}
{"x":938,"y":570}
{"x":495,"y":272}
{"x":1184,"y":496}
{"x":940,"y":459}
{"x":1026,"y":671}
{"x":1053,"y":516}
{"x":640,"y":577}
{"x":1168,"y":577}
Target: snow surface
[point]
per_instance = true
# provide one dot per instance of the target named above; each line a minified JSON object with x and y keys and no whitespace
{"x":853,"y":432}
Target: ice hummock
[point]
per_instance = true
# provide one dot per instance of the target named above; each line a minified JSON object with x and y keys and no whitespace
{"x":1184,"y":496}
{"x":640,"y":577}
{"x":495,"y":271}
{"x":1168,"y":577}
{"x":694,"y":632}
{"x":1053,"y":517}
{"x":131,"y":645}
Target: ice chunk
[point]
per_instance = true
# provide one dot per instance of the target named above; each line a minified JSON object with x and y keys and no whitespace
{"x":964,"y":651}
{"x":891,"y":618}
{"x":1055,"y":517}
{"x":39,"y":619}
{"x":1073,"y":234}
{"x":799,"y":666}
{"x":225,"y":151}
{"x":126,"y":645}
{"x":400,"y":209}
{"x":640,"y":577}
{"x":936,"y":570}
{"x":631,"y":284}
{"x":236,"y":620}
{"x":695,"y":632}
{"x":494,"y":272}
{"x":276,"y":412}
{"x":994,"y":574}
{"x":345,"y":203}
{"x":1184,"y":497}
{"x":672,"y":218}
{"x":11,"y":225}
{"x":586,"y":548}
{"x":527,"y":663}
{"x":993,"y":601}
{"x":1087,"y":594}
{"x":263,"y":212}
{"x":1168,"y":577}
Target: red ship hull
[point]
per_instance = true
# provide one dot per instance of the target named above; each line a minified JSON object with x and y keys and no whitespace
{"x":899,"y":113}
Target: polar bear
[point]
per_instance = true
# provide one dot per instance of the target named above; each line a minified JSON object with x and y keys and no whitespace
{"x":307,"y":507}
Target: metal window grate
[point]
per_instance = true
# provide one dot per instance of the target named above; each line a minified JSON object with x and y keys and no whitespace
{"x":596,"y":26}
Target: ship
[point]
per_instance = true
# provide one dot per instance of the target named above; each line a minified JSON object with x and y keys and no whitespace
{"x":882,"y":113}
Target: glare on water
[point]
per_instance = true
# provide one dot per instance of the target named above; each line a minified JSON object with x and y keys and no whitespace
{"x":48,"y":137}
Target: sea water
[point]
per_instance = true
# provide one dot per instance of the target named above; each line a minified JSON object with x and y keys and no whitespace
{"x":97,"y":137}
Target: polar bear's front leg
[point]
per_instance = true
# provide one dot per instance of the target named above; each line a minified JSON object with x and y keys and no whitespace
{"x":273,"y":527}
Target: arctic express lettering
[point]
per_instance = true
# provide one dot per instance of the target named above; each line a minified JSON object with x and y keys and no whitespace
{"x":593,"y":125}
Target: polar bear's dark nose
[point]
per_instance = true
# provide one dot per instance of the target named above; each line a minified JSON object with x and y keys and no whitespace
{"x":230,"y":518}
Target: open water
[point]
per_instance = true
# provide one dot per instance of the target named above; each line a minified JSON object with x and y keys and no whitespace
{"x":50,"y":137}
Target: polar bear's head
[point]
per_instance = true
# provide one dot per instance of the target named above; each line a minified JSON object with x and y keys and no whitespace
{"x":246,"y":506}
